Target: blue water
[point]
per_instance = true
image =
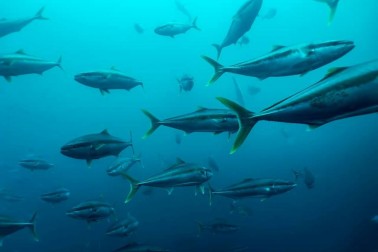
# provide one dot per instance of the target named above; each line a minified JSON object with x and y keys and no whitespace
{"x":41,"y":113}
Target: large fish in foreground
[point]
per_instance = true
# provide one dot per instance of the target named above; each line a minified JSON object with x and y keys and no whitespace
{"x":178,"y":175}
{"x":344,"y":92}
{"x":241,"y":23}
{"x":9,"y":226}
{"x":106,"y":80}
{"x":261,"y":188}
{"x":286,"y":61}
{"x":95,"y":146}
{"x":332,"y":4}
{"x":8,"y":26}
{"x":20,"y":63}
{"x":202,"y":120}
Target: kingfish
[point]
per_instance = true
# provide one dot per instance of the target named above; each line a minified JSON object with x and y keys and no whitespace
{"x":178,"y":175}
{"x":56,"y":196}
{"x":95,"y":146}
{"x":106,"y":80}
{"x":344,"y":92}
{"x":9,"y":226}
{"x":8,"y":26}
{"x":20,"y":63}
{"x":202,"y":120}
{"x":286,"y":61}
{"x":35,"y":164}
{"x":241,"y":23}
{"x":91,"y":211}
{"x":123,"y":227}
{"x":173,"y":29}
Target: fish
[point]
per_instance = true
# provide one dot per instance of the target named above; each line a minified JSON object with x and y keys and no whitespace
{"x":241,"y":23}
{"x":136,"y":247}
{"x":8,"y":26}
{"x":240,"y":210}
{"x":218,"y":226}
{"x":178,"y":175}
{"x":123,"y":227}
{"x":95,"y":146}
{"x":35,"y":164}
{"x":239,"y":95}
{"x":91,"y":211}
{"x":202,"y":120}
{"x":20,"y":63}
{"x":332,"y":4}
{"x":286,"y":60}
{"x":8,"y":196}
{"x":9,"y":226}
{"x":343,"y":93}
{"x":180,"y":7}
{"x":212,"y":164}
{"x":186,"y":83}
{"x":56,"y":196}
{"x":123,"y":165}
{"x":309,"y":178}
{"x":106,"y":80}
{"x":269,"y":14}
{"x":173,"y":29}
{"x":250,"y":187}
{"x":244,"y":40}
{"x":138,"y":28}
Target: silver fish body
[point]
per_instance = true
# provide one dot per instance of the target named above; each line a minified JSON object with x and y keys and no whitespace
{"x":91,"y":211}
{"x":35,"y":164}
{"x":56,"y":196}
{"x":123,"y":227}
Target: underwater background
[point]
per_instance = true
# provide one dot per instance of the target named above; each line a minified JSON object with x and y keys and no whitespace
{"x":41,"y":113}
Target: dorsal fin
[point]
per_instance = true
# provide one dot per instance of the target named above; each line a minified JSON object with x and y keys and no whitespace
{"x":105,"y":132}
{"x":277,"y":47}
{"x":200,"y":108}
{"x":179,"y":161}
{"x":332,"y":72}
{"x":21,"y":51}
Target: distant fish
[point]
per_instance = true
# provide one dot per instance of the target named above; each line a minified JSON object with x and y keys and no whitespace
{"x":201,"y":120}
{"x":309,"y":178}
{"x":212,"y":164}
{"x":297,"y":174}
{"x":271,"y":13}
{"x":20,"y":63}
{"x":91,"y":211}
{"x":252,"y":90}
{"x":186,"y":83}
{"x":135,"y":247}
{"x":123,"y":227}
{"x":332,"y":4}
{"x":178,"y":138}
{"x":218,"y":226}
{"x":8,"y":26}
{"x":106,"y":80}
{"x":183,"y":9}
{"x":95,"y":146}
{"x":286,"y":61}
{"x":9,"y":226}
{"x":35,"y":164}
{"x":244,"y":40}
{"x":241,"y":23}
{"x":138,"y":28}
{"x":178,"y":175}
{"x":239,"y":95}
{"x":235,"y":208}
{"x":173,"y":29}
{"x":10,"y":196}
{"x":56,"y":196}
{"x":123,"y":165}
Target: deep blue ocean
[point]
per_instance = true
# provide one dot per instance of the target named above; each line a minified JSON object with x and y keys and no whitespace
{"x":39,"y":114}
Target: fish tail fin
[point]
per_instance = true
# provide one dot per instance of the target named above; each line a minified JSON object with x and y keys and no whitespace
{"x":246,"y":121}
{"x":332,"y":9}
{"x":39,"y":14}
{"x":218,"y":69}
{"x":131,"y":142}
{"x":32,"y":227}
{"x":59,"y":63}
{"x":194,"y":24}
{"x":154,"y":123}
{"x":211,"y":190}
{"x":134,"y":187}
{"x":219,"y":50}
